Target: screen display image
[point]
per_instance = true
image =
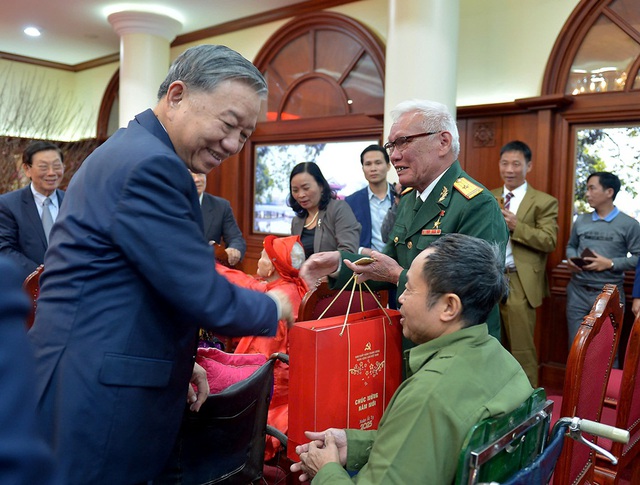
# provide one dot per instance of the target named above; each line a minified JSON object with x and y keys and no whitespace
{"x":340,"y":165}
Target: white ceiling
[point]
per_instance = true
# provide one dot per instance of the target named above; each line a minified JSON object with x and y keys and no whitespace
{"x":77,"y":31}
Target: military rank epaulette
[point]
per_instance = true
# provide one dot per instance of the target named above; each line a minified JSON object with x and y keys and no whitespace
{"x":406,"y":191}
{"x":466,"y":188}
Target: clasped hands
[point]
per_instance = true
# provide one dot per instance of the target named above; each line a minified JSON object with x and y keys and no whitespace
{"x":329,"y":446}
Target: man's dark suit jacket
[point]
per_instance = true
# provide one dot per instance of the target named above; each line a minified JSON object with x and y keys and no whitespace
{"x":359,"y":203}
{"x":219,"y":223}
{"x":22,"y":238}
{"x":128,"y":281}
{"x":24,"y":456}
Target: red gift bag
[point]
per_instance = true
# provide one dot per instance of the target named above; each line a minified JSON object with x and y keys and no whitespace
{"x":342,"y":375}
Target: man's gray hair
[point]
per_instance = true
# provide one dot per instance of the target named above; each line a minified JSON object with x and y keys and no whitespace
{"x":203,"y":67}
{"x":436,"y":117}
{"x":469,"y":267}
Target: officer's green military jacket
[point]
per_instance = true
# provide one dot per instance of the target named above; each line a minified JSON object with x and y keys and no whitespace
{"x":457,"y":204}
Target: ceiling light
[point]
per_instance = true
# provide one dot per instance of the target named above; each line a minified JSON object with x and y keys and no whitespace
{"x":32,"y":31}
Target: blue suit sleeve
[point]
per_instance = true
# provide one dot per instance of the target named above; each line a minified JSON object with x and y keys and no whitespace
{"x":156,"y":229}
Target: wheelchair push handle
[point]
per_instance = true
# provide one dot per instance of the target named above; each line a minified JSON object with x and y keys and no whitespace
{"x":604,"y":430}
{"x":576,"y":426}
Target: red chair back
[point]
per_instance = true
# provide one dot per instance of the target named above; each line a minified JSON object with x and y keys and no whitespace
{"x":626,"y":415}
{"x":588,"y":367}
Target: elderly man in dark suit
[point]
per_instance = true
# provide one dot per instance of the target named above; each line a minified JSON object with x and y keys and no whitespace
{"x":129,"y":279}
{"x":27,"y":214}
{"x":219,"y":222}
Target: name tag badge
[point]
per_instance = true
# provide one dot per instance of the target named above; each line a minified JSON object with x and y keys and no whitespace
{"x":431,"y":232}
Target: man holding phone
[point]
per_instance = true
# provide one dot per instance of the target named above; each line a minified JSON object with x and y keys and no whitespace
{"x":602,"y":240}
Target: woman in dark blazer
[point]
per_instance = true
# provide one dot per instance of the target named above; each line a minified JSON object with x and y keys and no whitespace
{"x":322,"y":222}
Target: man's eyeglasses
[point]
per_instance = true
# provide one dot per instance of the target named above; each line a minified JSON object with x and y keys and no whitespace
{"x":401,"y":142}
{"x":45,"y":167}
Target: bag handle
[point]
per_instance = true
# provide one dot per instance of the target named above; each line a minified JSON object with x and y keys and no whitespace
{"x":353,"y":289}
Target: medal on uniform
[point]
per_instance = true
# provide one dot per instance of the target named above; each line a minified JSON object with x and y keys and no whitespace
{"x":436,"y":226}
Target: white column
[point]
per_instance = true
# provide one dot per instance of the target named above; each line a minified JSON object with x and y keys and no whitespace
{"x":422,"y":53}
{"x":145,"y":41}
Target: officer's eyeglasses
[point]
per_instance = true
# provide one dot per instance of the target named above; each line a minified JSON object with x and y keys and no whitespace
{"x":401,"y":142}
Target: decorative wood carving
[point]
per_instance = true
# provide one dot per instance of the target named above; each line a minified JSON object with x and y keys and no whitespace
{"x":484,"y":134}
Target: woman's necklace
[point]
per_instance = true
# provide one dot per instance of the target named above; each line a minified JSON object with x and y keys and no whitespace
{"x":312,"y":220}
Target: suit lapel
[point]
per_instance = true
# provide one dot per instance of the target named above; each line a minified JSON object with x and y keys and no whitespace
{"x":527,"y":203}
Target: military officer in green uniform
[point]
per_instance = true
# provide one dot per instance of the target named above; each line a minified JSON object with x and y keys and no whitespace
{"x":423,"y":147}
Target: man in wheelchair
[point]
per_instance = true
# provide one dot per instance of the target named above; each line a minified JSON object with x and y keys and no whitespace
{"x":458,"y":375}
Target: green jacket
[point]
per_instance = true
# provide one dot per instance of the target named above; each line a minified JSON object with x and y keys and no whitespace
{"x":454,"y":381}
{"x":447,"y":210}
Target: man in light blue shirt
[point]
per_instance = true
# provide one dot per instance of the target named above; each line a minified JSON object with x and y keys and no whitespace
{"x":371,"y":204}
{"x":613,"y":240}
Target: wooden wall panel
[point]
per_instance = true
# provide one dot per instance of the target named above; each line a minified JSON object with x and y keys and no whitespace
{"x":481,"y":139}
{"x":481,"y":145}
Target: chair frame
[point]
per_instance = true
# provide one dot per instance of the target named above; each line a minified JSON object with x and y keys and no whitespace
{"x":607,"y":305}
{"x":32,"y":286}
{"x":496,"y":448}
{"x":322,"y":292}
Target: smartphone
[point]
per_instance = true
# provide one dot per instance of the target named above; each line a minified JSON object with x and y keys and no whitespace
{"x":580,"y":262}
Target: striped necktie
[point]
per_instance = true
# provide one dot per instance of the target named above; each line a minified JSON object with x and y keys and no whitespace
{"x":507,"y":200}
